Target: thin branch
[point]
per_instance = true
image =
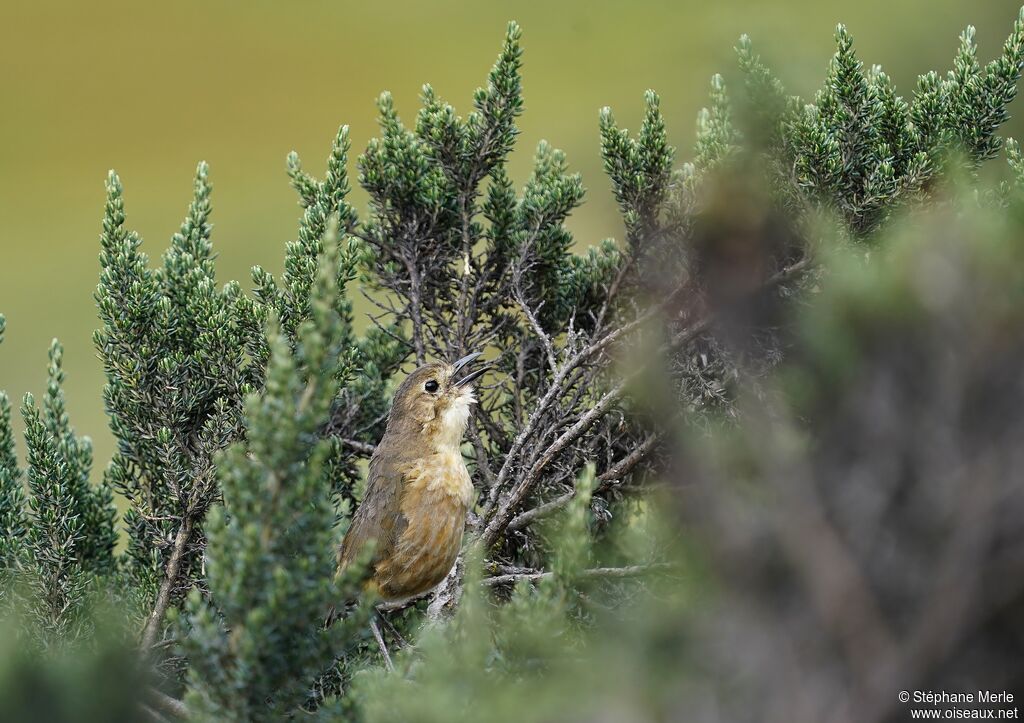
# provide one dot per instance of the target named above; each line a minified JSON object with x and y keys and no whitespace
{"x":482,"y":462}
{"x":625,"y":465}
{"x":362,"y":447}
{"x":606,"y":478}
{"x":558,"y":387}
{"x":150,"y":714}
{"x":415,"y":312}
{"x":545,"y":340}
{"x":167,"y":704}
{"x":591,"y":574}
{"x":613,"y":289}
{"x":541,"y":511}
{"x":503,"y":516}
{"x":383,"y":648}
{"x":401,"y":642}
{"x":163,"y":598}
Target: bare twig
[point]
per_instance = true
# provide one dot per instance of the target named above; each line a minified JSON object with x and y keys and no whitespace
{"x":361,"y":447}
{"x":167,"y":704}
{"x":533,"y":514}
{"x":544,"y":338}
{"x":625,"y":465}
{"x":402,"y":642}
{"x":481,"y":453}
{"x":150,"y":714}
{"x":592,"y":573}
{"x":415,"y":312}
{"x":163,"y":598}
{"x":612,"y":474}
{"x":503,"y":516}
{"x":383,"y":648}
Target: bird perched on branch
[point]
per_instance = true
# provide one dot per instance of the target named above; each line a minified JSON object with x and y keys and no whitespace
{"x":418,"y":490}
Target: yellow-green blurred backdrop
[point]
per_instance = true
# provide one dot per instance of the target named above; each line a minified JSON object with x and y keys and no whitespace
{"x":151,"y":88}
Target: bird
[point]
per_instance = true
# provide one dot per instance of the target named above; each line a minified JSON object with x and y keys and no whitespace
{"x":418,"y":489}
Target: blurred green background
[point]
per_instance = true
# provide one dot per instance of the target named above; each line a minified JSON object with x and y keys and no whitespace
{"x":150,"y":89}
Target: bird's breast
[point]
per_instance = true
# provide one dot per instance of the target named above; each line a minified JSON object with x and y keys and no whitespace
{"x":441,"y":477}
{"x":436,"y":495}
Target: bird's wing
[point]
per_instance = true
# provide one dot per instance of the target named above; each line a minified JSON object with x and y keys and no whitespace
{"x":379,"y":516}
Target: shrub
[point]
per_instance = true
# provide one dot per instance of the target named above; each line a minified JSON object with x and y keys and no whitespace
{"x":242,"y":420}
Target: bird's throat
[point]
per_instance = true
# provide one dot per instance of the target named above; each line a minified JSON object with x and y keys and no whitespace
{"x":447,"y":434}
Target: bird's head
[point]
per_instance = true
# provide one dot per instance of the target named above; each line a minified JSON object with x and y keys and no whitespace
{"x":433,"y":402}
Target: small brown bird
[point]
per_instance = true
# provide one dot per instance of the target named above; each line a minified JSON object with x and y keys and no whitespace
{"x":418,"y":490}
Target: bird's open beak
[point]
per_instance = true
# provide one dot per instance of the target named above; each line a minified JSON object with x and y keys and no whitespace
{"x":472,"y":376}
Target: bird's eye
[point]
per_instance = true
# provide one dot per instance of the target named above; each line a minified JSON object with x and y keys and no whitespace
{"x":431,"y":386}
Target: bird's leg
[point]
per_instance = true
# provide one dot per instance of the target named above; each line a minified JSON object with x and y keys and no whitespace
{"x":383,"y":648}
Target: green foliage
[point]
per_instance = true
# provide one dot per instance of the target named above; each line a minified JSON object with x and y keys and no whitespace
{"x":12,"y":497}
{"x":360,"y":409}
{"x":573,"y":545}
{"x":173,"y":349}
{"x":423,"y":185}
{"x":269,"y":403}
{"x":1016,"y":162}
{"x":543,"y":242}
{"x":650,"y":195}
{"x":55,"y":577}
{"x":291,"y":301}
{"x":427,"y":228}
{"x":64,"y":529}
{"x":95,"y":683}
{"x":716,"y":137}
{"x":92,"y":506}
{"x":641,"y":169}
{"x":257,"y":645}
{"x":860,"y":149}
